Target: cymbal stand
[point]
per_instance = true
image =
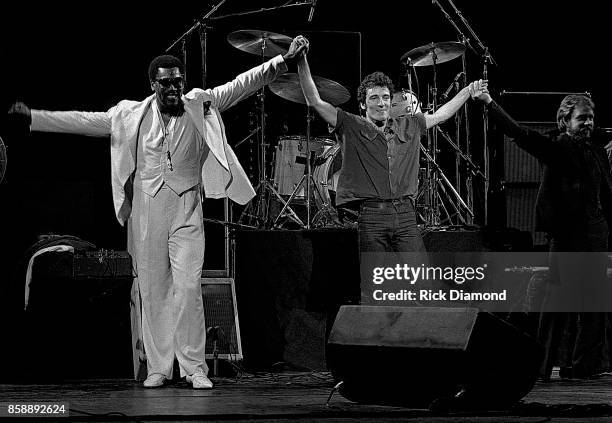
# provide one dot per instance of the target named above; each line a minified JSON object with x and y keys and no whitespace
{"x":410,"y":68}
{"x":309,"y":180}
{"x":441,"y":182}
{"x":469,"y":184}
{"x":262,"y":200}
{"x":432,"y":147}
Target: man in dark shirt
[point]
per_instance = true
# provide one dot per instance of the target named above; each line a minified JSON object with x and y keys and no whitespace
{"x":573,"y":207}
{"x":380,"y":159}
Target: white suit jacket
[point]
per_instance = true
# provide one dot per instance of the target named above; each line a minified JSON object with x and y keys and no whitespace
{"x":222,"y":174}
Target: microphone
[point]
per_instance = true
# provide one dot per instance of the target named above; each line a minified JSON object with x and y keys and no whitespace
{"x":313,"y":4}
{"x":450,"y":87}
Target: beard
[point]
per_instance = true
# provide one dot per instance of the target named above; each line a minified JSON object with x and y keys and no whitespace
{"x":581,"y":134}
{"x":172,"y":109}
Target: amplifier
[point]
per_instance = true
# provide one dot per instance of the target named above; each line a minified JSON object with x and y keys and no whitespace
{"x":102,"y":264}
{"x":221,"y":318}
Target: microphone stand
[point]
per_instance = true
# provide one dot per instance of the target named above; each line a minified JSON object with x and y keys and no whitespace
{"x":201,"y":24}
{"x":487,"y":59}
{"x":469,"y":28}
{"x":468,"y":180}
{"x":263,"y":10}
{"x":454,"y":25}
{"x":195,"y":26}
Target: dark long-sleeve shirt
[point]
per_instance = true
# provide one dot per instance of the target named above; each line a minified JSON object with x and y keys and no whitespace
{"x":575,"y":178}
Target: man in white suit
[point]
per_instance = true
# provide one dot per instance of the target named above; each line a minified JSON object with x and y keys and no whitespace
{"x":165,"y":151}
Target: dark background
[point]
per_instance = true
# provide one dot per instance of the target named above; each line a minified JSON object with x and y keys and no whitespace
{"x":88,"y":56}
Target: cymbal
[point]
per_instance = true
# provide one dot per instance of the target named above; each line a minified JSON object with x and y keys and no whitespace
{"x":252,"y":40}
{"x":424,"y":55}
{"x":288,"y":87}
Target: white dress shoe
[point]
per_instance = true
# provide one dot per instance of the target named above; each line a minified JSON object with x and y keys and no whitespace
{"x":199,"y":380}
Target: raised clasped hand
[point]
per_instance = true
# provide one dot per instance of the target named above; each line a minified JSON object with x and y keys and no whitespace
{"x":479,"y":88}
{"x":299,"y":45}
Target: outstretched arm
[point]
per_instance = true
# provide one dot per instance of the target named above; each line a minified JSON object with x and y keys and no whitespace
{"x":328,"y":112}
{"x":447,"y":110}
{"x":245,"y":84}
{"x":539,"y":145}
{"x":95,"y":124}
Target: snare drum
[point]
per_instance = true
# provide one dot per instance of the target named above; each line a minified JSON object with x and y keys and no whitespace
{"x":290,"y":161}
{"x":404,"y":103}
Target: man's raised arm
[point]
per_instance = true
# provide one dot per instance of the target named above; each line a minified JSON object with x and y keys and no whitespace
{"x":447,"y":110}
{"x":313,"y":99}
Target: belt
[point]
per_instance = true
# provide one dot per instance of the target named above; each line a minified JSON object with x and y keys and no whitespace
{"x":381,"y":204}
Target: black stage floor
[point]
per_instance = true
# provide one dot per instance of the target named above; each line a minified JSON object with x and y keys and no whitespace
{"x":294,"y":396}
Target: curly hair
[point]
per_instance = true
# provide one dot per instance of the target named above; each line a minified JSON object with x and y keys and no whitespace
{"x":375,"y":79}
{"x":164,"y":61}
{"x":567,"y":106}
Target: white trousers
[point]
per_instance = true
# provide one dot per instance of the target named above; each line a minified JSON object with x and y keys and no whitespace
{"x":166,"y":239}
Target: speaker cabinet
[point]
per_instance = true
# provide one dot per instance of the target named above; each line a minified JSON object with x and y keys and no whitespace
{"x":221,"y":319}
{"x":522,"y":179}
{"x":78,"y":326}
{"x":416,"y":356}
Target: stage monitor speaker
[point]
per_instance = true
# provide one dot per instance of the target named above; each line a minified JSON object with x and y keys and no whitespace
{"x":419,"y":357}
{"x":221,"y":319}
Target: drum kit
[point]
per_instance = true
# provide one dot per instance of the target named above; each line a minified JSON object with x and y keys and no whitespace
{"x":306,"y":168}
{"x":439,"y":201}
{"x":299,"y":160}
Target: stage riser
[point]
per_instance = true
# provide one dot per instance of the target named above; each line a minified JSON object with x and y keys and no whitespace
{"x":290,"y":284}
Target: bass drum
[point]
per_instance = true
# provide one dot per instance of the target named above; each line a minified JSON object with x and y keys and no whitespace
{"x":325,"y":175}
{"x":290,"y":162}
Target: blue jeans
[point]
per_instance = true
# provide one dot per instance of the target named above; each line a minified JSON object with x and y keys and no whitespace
{"x":389,"y":229}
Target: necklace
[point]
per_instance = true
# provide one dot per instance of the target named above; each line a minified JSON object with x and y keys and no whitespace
{"x":165,"y":135}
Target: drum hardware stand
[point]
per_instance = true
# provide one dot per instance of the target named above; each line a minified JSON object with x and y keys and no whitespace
{"x":469,"y":187}
{"x":433,"y":217}
{"x":473,"y":171}
{"x":307,"y":179}
{"x":261,"y":202}
{"x":487,"y":58}
{"x":409,"y":73}
{"x":431,"y":161}
{"x":457,"y":119}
